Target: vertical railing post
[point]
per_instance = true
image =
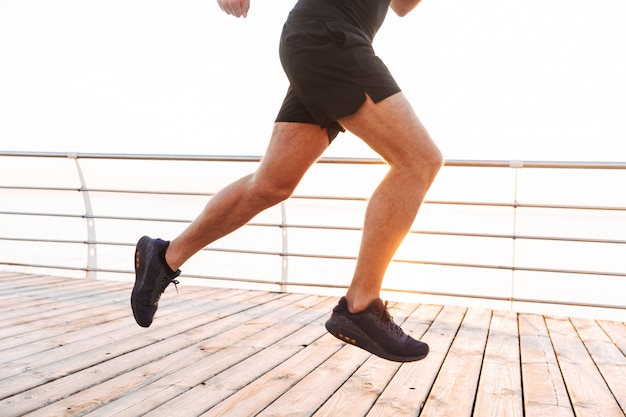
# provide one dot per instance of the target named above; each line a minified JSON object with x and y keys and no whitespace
{"x":516,"y":165}
{"x":92,"y":254}
{"x":284,"y":257}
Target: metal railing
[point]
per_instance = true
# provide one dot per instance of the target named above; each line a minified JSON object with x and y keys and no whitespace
{"x":15,"y":187}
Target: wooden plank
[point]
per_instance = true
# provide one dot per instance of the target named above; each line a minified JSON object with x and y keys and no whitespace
{"x":80,"y":318}
{"x":407,"y":391}
{"x":53,"y":295}
{"x":224,"y":351}
{"x":21,"y":369}
{"x":23,"y":283}
{"x":167,"y":357}
{"x":327,"y":378}
{"x":587,"y":389}
{"x":544,"y":390}
{"x":324,"y":381}
{"x":357,"y":395}
{"x":242,"y":353}
{"x":47,"y":316}
{"x":75,"y":328}
{"x":361,"y":390}
{"x":500,"y":387}
{"x":34,"y":340}
{"x":34,"y":304}
{"x":95,"y":396}
{"x":455,"y":387}
{"x":610,"y":361}
{"x":215,"y":394}
{"x":9,"y":276}
{"x":80,"y":378}
{"x":617,"y":332}
{"x":126,"y":344}
{"x":241,"y":397}
{"x":303,"y":350}
{"x":138,"y":367}
{"x":51,"y":287}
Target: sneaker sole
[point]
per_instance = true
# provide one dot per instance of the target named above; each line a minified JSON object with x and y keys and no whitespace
{"x":345,"y":330}
{"x":142,"y":246}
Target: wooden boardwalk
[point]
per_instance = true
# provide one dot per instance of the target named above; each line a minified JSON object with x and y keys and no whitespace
{"x":71,"y":348}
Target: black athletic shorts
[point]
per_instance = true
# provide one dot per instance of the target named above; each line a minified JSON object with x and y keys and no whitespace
{"x":330,"y":65}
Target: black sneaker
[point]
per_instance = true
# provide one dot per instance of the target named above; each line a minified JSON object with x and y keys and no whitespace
{"x":152,"y":276}
{"x":375,"y":331}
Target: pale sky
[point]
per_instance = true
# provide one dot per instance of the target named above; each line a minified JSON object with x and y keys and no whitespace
{"x":490,"y":79}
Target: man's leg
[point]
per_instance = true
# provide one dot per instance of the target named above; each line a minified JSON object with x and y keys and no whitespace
{"x":293,"y":148}
{"x":392,"y":129}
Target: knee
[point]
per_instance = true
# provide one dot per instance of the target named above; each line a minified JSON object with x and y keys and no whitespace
{"x":272,"y":192}
{"x":423,"y":166}
{"x":435,"y":161}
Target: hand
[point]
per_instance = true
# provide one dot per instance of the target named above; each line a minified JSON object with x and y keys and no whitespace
{"x":403,"y":7}
{"x":237,"y":8}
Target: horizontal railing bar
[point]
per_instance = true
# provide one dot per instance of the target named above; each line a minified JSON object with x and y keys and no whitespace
{"x":335,"y":228}
{"x":521,"y":237}
{"x":34,"y":214}
{"x":568,"y":271}
{"x":507,"y":299}
{"x":134,"y":157}
{"x":336,"y":286}
{"x":524,"y":205}
{"x":512,"y":268}
{"x":96,"y":217}
{"x":569,"y":207}
{"x":534,"y":164}
{"x":31,"y":265}
{"x":328,"y":198}
{"x":26,"y":188}
{"x":415,"y":232}
{"x":331,"y":160}
{"x":151,"y":192}
{"x":353,"y":258}
{"x":174,"y":193}
{"x":106,"y":190}
{"x":39,"y":240}
{"x":432,"y":202}
{"x":569,"y":239}
{"x":349,"y":258}
{"x":103,"y":243}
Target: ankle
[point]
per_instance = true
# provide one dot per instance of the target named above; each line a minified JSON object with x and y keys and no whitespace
{"x":164,"y":260}
{"x":358,"y":304}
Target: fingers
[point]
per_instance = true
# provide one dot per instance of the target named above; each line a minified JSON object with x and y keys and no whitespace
{"x":245,"y":6}
{"x":237,"y":8}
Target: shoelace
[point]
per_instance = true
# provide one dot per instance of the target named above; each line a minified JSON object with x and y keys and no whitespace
{"x":385,"y":317}
{"x":175,"y":282}
{"x":165,"y":281}
{"x":171,"y":281}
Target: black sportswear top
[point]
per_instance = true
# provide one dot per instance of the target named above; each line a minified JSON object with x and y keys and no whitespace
{"x":366,"y":15}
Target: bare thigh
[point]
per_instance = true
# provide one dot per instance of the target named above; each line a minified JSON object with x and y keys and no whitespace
{"x":393,"y":130}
